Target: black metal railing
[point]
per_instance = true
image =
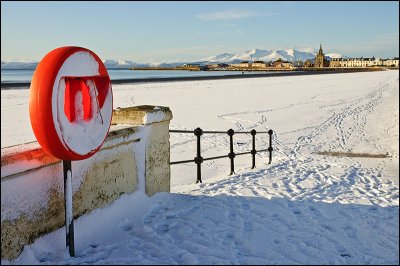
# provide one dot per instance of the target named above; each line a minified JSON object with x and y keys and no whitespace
{"x":198,"y":160}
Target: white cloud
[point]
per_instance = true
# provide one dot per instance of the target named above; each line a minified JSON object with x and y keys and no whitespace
{"x":232,"y":15}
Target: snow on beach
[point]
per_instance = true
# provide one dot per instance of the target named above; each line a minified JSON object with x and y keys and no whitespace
{"x":304,"y":208}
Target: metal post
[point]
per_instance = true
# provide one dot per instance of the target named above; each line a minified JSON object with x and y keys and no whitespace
{"x":253,"y":151}
{"x":198,"y":159}
{"x":69,"y":216}
{"x":270,"y":149}
{"x":231,"y":154}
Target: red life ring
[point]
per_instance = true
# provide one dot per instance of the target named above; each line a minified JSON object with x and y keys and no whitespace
{"x":70,"y":103}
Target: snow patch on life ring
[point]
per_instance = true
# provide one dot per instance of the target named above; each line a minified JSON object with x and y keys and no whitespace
{"x":80,"y":136}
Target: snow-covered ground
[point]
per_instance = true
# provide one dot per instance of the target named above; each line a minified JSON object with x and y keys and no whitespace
{"x":304,"y":208}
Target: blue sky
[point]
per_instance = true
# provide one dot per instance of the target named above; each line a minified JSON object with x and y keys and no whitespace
{"x":168,"y":31}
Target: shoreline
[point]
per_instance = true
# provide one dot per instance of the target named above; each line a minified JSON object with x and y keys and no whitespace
{"x":12,"y":85}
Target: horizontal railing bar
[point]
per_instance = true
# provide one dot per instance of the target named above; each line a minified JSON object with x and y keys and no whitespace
{"x":241,"y":153}
{"x":180,"y":131}
{"x":261,"y":150}
{"x":216,"y":132}
{"x":216,"y":157}
{"x":226,"y":132}
{"x":178,"y":162}
{"x":248,"y":152}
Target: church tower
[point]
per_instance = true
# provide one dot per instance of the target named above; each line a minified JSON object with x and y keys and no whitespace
{"x":320,"y":58}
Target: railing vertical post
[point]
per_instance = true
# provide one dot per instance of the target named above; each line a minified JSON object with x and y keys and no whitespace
{"x":253,"y":151}
{"x":69,"y":215}
{"x":231,"y":154}
{"x":270,"y":149}
{"x":198,"y":159}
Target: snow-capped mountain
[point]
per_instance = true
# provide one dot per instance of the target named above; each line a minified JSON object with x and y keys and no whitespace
{"x":266,"y":55}
{"x":333,"y":55}
{"x":18,"y":64}
{"x":118,"y":64}
{"x":250,"y":55}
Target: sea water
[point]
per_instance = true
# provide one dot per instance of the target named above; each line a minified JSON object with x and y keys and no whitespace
{"x":23,"y":75}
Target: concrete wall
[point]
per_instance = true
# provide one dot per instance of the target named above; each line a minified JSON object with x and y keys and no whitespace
{"x":135,"y":156}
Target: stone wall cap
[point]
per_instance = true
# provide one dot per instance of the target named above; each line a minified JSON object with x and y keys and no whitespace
{"x":141,"y":115}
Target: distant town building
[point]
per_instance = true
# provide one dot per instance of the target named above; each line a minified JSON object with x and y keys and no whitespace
{"x":335,"y":62}
{"x":320,"y":59}
{"x":363,"y":62}
{"x":358,"y":62}
{"x":195,"y":67}
{"x":191,"y":65}
{"x":259,"y":64}
{"x":298,"y":63}
{"x":281,"y":64}
{"x":377,"y":62}
{"x":394,"y":62}
{"x":220,"y":66}
{"x":243,"y":64}
{"x":308,"y":63}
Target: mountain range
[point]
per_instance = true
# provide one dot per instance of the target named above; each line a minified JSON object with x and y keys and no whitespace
{"x":266,"y":55}
{"x":250,"y":55}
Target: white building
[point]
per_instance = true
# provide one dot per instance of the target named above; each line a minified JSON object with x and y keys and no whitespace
{"x":394,"y":62}
{"x":363,"y":62}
